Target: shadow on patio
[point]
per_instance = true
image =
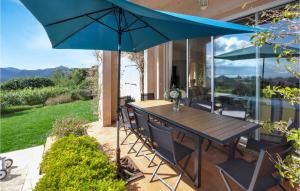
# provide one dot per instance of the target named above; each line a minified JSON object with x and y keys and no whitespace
{"x":211,"y":179}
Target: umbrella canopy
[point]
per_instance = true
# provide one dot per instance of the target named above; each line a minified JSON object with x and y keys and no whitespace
{"x":96,"y":24}
{"x":266,"y":51}
{"x":119,"y":25}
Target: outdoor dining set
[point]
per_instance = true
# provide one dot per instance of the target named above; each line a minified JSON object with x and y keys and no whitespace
{"x":162,"y":131}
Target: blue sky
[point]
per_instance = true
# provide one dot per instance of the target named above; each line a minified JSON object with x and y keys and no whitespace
{"x":25,"y":45}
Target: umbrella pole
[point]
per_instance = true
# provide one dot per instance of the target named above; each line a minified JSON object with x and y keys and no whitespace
{"x":118,"y":151}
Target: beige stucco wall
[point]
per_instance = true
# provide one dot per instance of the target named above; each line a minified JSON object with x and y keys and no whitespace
{"x":216,"y":9}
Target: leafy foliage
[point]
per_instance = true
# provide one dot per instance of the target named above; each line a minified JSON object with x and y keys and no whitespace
{"x":285,"y":37}
{"x":76,"y":163}
{"x":22,"y":83}
{"x":30,"y":96}
{"x":69,"y":125}
{"x":60,"y":99}
{"x":81,"y":94}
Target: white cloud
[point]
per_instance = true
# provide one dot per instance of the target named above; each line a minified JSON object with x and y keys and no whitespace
{"x":228,"y":44}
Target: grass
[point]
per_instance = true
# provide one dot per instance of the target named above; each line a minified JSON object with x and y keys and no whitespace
{"x":31,"y":127}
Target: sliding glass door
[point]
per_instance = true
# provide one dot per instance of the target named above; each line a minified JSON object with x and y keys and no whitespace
{"x":199,"y":62}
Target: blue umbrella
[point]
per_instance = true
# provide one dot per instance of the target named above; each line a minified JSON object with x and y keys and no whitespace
{"x":266,"y":51}
{"x":119,"y":25}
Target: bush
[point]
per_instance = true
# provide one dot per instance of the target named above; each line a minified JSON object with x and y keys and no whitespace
{"x":81,"y":94}
{"x":12,"y":109}
{"x":59,"y":99}
{"x":22,"y":83}
{"x":76,"y":163}
{"x":67,"y":126}
{"x":30,"y":96}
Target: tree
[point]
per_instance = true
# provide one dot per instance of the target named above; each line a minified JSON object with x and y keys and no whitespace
{"x":284,"y":33}
{"x":58,"y":77}
{"x":138,"y":60}
{"x":97,"y":83}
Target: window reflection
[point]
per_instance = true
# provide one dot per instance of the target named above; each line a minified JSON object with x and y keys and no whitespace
{"x":178,"y":67}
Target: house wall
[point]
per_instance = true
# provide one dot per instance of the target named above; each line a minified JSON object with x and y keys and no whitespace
{"x":156,"y":56}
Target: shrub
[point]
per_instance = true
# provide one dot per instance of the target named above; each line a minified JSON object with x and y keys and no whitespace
{"x":30,"y":96}
{"x":81,"y":94}
{"x":12,"y":109}
{"x":22,"y":83}
{"x":68,"y":126}
{"x":76,"y":163}
{"x":65,"y":98}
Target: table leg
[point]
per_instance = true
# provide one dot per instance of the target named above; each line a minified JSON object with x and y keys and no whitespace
{"x":198,"y":144}
{"x":231,"y":153}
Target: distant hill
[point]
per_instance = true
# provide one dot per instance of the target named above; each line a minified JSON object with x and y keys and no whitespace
{"x":10,"y":73}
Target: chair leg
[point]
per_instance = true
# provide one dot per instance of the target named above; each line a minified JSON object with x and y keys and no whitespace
{"x":237,"y":149}
{"x":182,"y":137}
{"x":154,"y":173}
{"x":151,"y":160}
{"x":208,"y":145}
{"x":132,"y":147}
{"x":225,"y":181}
{"x":122,"y":143}
{"x":177,"y":182}
{"x":140,"y":149}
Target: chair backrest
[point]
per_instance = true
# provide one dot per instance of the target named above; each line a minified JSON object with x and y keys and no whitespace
{"x":201,"y":104}
{"x":147,"y":96}
{"x":125,"y":115}
{"x":142,"y":122}
{"x":162,"y":139}
{"x":234,"y":112}
{"x":265,"y":166}
{"x":185,"y":101}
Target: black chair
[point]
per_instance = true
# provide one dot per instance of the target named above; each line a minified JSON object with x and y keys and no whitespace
{"x":129,"y":125}
{"x":201,"y":104}
{"x":142,"y":119}
{"x":250,"y":176}
{"x":169,"y":151}
{"x":147,"y":96}
{"x":267,"y":140}
{"x":186,"y":102}
{"x":236,"y":113}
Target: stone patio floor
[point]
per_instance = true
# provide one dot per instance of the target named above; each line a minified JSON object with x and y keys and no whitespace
{"x":24,"y":173}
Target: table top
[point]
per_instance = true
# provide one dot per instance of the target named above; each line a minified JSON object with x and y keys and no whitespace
{"x":212,"y":126}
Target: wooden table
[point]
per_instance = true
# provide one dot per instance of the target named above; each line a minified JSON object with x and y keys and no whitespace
{"x":199,"y":125}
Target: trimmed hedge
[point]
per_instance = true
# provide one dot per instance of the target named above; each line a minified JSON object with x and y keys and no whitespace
{"x":81,"y":94}
{"x":30,"y":96}
{"x":22,"y":83}
{"x":76,"y":163}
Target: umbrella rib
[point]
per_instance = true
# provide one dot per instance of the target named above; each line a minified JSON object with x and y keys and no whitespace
{"x":137,"y":28}
{"x":147,"y":24}
{"x":76,"y":17}
{"x":130,"y":36}
{"x":80,"y":29}
{"x":98,"y":21}
{"x":127,"y":27}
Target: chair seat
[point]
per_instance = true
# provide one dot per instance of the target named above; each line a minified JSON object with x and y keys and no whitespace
{"x":181,"y":152}
{"x":132,"y":126}
{"x":242,"y":172}
{"x":239,"y":170}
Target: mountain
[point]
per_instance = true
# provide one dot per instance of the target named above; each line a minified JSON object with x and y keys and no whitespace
{"x":10,"y":73}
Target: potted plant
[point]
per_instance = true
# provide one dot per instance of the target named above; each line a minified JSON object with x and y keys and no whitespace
{"x":175,"y":95}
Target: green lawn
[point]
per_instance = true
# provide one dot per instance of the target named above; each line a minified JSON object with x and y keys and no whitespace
{"x":30,"y":128}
